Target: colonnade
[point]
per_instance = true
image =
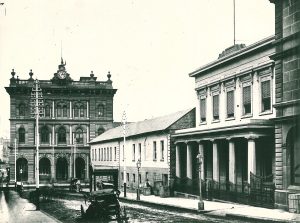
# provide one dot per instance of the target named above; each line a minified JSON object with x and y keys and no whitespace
{"x":251,"y":158}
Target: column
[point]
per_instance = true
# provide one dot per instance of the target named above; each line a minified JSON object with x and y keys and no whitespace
{"x":216,"y":163}
{"x":53,"y":135}
{"x":87,"y":134}
{"x":71,"y":135}
{"x":70,"y":167}
{"x":177,"y":161}
{"x":201,"y":152}
{"x":53,"y":166}
{"x":251,"y":157}
{"x":189,"y":169}
{"x":53,"y":110}
{"x":87,"y":167}
{"x":232,"y":172}
{"x":71,"y":116}
{"x":87,"y":110}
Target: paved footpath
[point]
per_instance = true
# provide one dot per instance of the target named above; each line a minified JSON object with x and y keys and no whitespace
{"x":215,"y":208}
{"x":14,"y":209}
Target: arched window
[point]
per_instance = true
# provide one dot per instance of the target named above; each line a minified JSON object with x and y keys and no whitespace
{"x":47,"y":111}
{"x":79,"y":135}
{"x":62,"y":135}
{"x":61,"y":169}
{"x":65,"y":111}
{"x":76,"y":111}
{"x":80,"y":167}
{"x":45,"y":168}
{"x":59,"y":112}
{"x":22,"y":109}
{"x":45,"y":135}
{"x":100,"y":131}
{"x":22,"y":169}
{"x":81,"y":111}
{"x":100,"y":110}
{"x":21,"y":135}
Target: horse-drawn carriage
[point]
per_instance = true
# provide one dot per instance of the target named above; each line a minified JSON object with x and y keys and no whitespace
{"x":103,"y":205}
{"x":75,"y":185}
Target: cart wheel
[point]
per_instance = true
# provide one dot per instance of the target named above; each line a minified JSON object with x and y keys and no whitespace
{"x":82,"y":211}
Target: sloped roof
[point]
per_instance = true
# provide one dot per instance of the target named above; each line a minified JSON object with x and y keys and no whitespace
{"x":137,"y":128}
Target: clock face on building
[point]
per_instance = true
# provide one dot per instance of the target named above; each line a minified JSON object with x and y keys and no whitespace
{"x":61,"y":74}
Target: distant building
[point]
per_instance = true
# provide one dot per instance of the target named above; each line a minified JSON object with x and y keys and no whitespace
{"x":75,"y":112}
{"x":147,"y":141}
{"x":4,"y":150}
{"x":235,"y":131}
{"x":287,"y":100}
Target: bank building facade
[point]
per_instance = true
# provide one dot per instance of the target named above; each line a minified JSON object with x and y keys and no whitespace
{"x":74,"y":112}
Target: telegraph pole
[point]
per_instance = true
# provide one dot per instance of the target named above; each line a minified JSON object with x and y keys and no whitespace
{"x":74,"y":159}
{"x":124,"y":157}
{"x":37,"y":110}
{"x":16,"y":163}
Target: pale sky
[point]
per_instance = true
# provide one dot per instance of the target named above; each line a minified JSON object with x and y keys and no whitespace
{"x":149,"y":46}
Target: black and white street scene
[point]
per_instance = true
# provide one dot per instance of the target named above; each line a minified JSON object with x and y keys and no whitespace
{"x":149,"y":111}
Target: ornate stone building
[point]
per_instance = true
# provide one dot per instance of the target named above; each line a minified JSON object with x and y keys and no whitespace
{"x":287,"y":100}
{"x":234,"y":132}
{"x":75,"y":112}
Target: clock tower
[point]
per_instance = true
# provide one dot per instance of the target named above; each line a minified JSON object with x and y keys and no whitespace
{"x":61,"y":76}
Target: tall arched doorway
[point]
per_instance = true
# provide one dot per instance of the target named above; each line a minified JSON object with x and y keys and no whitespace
{"x":80,"y":168}
{"x":22,"y":169}
{"x":45,"y":169}
{"x":61,"y":169}
{"x":293,"y":147}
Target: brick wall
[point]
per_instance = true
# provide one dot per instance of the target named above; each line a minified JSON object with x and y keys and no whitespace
{"x":187,"y":121}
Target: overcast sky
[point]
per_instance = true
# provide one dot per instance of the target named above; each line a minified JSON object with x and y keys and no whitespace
{"x":149,"y":46}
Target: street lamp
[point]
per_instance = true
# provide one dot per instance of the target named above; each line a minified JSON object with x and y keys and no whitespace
{"x":200,"y":202}
{"x":138,"y":165}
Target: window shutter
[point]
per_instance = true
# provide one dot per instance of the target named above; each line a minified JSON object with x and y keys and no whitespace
{"x":202,"y":108}
{"x":265,"y":89}
{"x":216,"y":105}
{"x":247,"y":95}
{"x":230,"y":102}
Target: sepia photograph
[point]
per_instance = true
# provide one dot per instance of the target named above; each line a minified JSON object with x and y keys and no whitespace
{"x":149,"y":111}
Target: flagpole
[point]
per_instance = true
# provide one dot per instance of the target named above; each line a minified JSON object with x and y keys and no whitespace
{"x":233,"y":22}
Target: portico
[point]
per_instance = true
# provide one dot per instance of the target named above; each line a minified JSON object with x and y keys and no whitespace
{"x":232,"y":158}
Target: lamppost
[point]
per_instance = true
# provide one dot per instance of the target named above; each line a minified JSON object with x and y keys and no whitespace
{"x":138,"y":165}
{"x":200,"y":202}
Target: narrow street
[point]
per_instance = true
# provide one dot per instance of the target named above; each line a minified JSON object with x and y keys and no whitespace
{"x":14,"y":209}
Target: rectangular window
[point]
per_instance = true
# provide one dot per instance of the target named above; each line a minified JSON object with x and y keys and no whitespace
{"x":162,"y":150}
{"x":133,"y":152}
{"x":115,"y":153}
{"x":230,"y":104}
{"x":104,"y":153}
{"x":216,"y":107}
{"x":266,"y":95}
{"x":93,"y":154}
{"x":133,"y":178}
{"x":247,"y":100}
{"x":140,"y":151}
{"x":128,"y":177}
{"x":203,"y":109}
{"x":154,"y":151}
{"x":122,"y":176}
{"x":99,"y":154}
{"x":140,"y":179}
